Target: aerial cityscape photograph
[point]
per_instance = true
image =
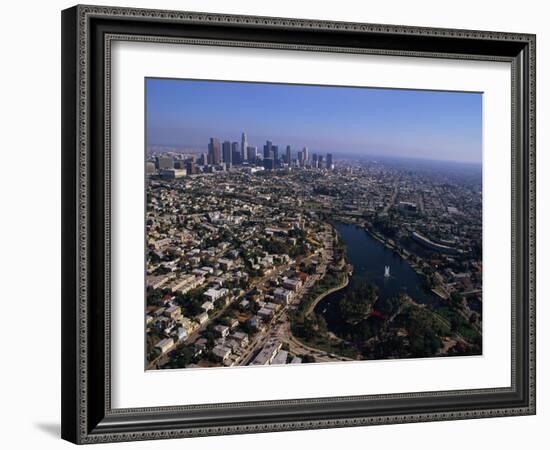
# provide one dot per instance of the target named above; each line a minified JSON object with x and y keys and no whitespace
{"x":292,"y":224}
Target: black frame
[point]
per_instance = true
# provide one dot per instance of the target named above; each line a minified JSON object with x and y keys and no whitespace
{"x":87,"y":31}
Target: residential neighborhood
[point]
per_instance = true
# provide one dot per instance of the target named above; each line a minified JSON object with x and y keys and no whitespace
{"x":240,"y":257}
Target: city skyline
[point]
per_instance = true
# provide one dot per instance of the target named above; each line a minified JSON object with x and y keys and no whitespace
{"x":435,"y":125}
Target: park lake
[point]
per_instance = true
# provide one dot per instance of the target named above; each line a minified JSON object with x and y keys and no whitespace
{"x":369,"y":258}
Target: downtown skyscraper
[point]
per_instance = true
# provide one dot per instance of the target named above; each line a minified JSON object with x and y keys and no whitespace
{"x":226,"y":151}
{"x":236,"y":155}
{"x":330,"y":163}
{"x":244,"y":147}
{"x":305,"y":155}
{"x":252,"y":153}
{"x":268,"y":150}
{"x":214,"y":154}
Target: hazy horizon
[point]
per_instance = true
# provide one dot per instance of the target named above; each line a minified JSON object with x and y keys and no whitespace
{"x":346,"y":121}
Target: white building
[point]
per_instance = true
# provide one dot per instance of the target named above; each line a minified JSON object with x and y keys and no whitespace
{"x":181,"y":334}
{"x":267,"y":353}
{"x":214,"y":294}
{"x":173,"y":312}
{"x":165,"y":345}
{"x":280,"y":358}
{"x":282,"y":296}
{"x":222,"y":330}
{"x":186,"y":323}
{"x":225,"y":263}
{"x":241,"y":338}
{"x":207,"y":306}
{"x":187,"y":283}
{"x":202,"y":318}
{"x":265,"y":313}
{"x":292,"y":284}
{"x":200,"y":272}
{"x":221,"y":352}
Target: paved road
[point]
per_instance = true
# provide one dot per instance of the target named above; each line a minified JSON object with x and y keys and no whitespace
{"x":324,"y":294}
{"x":299,"y":348}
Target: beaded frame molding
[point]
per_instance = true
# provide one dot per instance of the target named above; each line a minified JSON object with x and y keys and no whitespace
{"x":87,"y":35}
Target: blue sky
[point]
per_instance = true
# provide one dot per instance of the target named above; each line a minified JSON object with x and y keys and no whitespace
{"x":364,"y":121}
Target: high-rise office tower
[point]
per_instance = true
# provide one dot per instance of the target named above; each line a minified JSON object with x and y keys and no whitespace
{"x":190,"y":166}
{"x":330,"y":164}
{"x":314,"y":160}
{"x":287,"y":156}
{"x":235,"y":153}
{"x":306,"y":155}
{"x":244,"y":147}
{"x":301,"y":158}
{"x":252,"y":153}
{"x":214,"y":156}
{"x":268,"y":150}
{"x":275,"y":154}
{"x":226,"y":150}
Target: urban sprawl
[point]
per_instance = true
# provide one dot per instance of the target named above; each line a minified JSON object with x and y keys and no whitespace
{"x":241,"y":247}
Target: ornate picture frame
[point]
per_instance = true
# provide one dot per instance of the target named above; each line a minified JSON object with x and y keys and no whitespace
{"x":87,"y":35}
